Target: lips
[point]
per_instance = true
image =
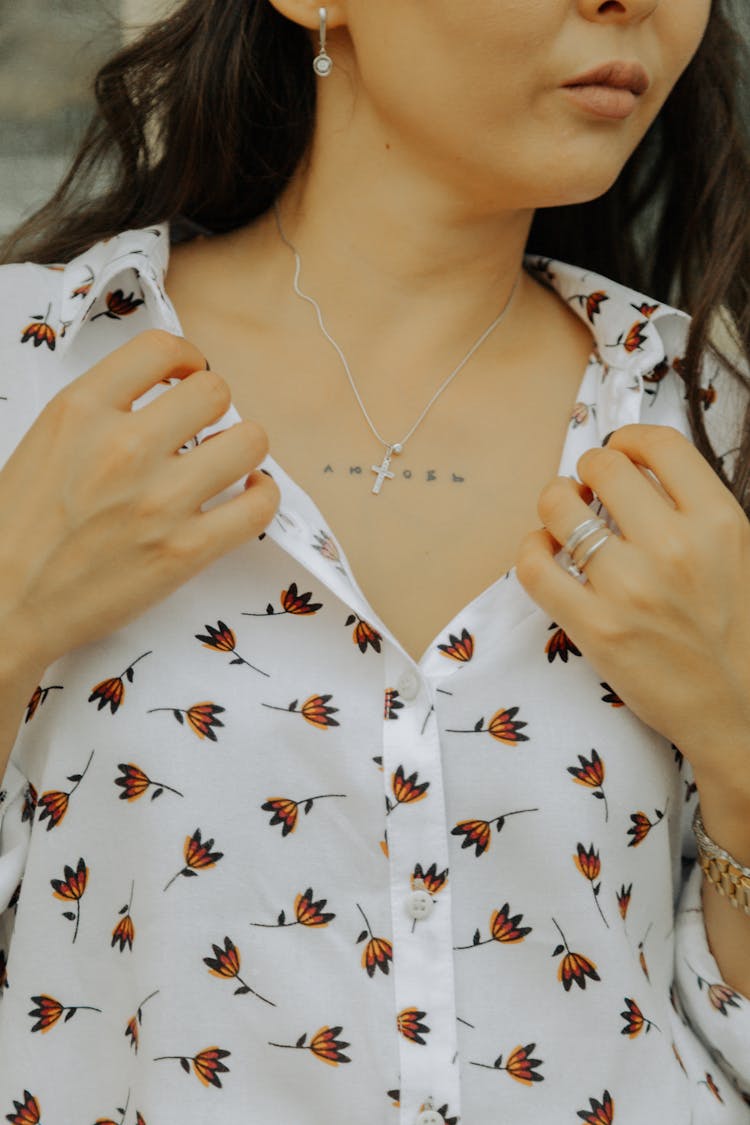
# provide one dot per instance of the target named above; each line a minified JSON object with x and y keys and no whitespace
{"x":617,"y":75}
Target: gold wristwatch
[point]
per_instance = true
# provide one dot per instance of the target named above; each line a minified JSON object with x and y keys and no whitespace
{"x":728,"y":876}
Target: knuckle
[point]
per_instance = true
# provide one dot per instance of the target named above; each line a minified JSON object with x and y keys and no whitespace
{"x":171,"y":348}
{"x":217,"y":389}
{"x":254,"y":439}
{"x":551,"y":498}
{"x":601,"y":462}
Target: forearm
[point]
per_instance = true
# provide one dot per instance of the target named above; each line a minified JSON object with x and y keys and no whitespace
{"x":727,"y":822}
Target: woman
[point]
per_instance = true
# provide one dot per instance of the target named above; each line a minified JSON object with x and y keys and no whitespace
{"x":340,"y":792}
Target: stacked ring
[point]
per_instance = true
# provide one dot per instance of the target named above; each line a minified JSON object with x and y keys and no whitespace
{"x":577,"y":536}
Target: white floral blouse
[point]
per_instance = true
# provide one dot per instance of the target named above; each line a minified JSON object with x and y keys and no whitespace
{"x":258,"y":865}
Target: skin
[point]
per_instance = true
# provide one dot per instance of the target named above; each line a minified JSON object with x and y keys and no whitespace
{"x":431,"y":222}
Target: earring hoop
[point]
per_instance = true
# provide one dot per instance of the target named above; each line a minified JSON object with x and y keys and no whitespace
{"x":323,"y":64}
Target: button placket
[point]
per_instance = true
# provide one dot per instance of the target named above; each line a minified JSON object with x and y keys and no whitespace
{"x":422,"y":955}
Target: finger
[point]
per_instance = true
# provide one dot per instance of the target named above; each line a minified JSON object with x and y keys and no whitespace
{"x":564,"y":598}
{"x":216,"y":464}
{"x":126,"y":373}
{"x":679,"y":466}
{"x":639,"y":507}
{"x":562,"y":509}
{"x":229,"y":525}
{"x":180,"y":412}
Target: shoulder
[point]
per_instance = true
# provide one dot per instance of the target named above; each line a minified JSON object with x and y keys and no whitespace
{"x":58,"y":320}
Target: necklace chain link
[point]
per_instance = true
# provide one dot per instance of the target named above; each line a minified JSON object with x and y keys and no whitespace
{"x":392,"y":448}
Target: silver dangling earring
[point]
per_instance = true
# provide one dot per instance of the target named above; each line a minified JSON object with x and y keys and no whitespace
{"x":323,"y":63}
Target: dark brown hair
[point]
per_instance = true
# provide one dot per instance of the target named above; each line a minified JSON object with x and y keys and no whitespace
{"x":205,"y":116}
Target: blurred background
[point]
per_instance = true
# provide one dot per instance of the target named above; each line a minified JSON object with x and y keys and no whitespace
{"x":49,"y":52}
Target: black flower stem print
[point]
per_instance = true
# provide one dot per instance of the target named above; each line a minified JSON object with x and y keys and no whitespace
{"x":112,"y":691}
{"x":590,"y":866}
{"x":198,"y":856}
{"x":71,"y":889}
{"x":122,"y":1110}
{"x":307,"y":913}
{"x":201,"y":717}
{"x":48,"y":1011}
{"x":292,"y":602}
{"x":206,"y":1064}
{"x":226,"y":964}
{"x":503,"y":727}
{"x":324,"y":1045}
{"x":54,"y":803}
{"x":315,"y":710}
{"x":134,"y":783}
{"x":131,"y":1028}
{"x":222,"y":639}
{"x":286,"y":810}
{"x":38,"y":697}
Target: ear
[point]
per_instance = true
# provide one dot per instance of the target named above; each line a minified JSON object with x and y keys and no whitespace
{"x":306,"y":12}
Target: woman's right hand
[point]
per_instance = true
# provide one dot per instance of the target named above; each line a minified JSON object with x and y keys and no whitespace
{"x":100,"y":516}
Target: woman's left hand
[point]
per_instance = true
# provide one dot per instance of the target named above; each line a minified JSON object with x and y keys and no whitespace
{"x":664,"y":616}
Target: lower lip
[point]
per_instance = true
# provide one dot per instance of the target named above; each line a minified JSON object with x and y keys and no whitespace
{"x":604,"y":101}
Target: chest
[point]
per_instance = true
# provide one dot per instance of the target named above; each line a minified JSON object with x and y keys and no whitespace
{"x":464,"y":490}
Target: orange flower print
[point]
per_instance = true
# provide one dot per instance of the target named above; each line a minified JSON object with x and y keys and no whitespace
{"x":324,"y":1045}
{"x":222,"y":639}
{"x":299,"y":605}
{"x":406,"y":790}
{"x":477,"y":833}
{"x":519,"y":1065}
{"x":720,"y":996}
{"x":641,"y":826}
{"x":198,"y":855}
{"x":201,"y":718}
{"x":574,"y":966}
{"x":48,"y":1011}
{"x":307,"y":912}
{"x":642,"y":953}
{"x":226,"y":964}
{"x":38,"y":697}
{"x":430,"y":880}
{"x":112,"y":691}
{"x":207,"y":1064}
{"x":459,"y":648}
{"x":653,"y":380}
{"x":286,"y":811}
{"x":634,"y":338}
{"x":314,"y":710}
{"x":590,"y":866}
{"x":408,"y":1022}
{"x":378,"y":953}
{"x":392,"y":704}
{"x":501,"y":726}
{"x":611,"y":696}
{"x":635,"y":1021}
{"x":580,"y":414}
{"x":503,"y":928}
{"x":71,"y":889}
{"x":118,"y":305}
{"x":707,"y":396}
{"x":134,"y":1023}
{"x":30,"y":801}
{"x":590,"y":773}
{"x":591,"y":302}
{"x":134,"y":783}
{"x":54,"y":803}
{"x":124,"y":932}
{"x":326,"y":545}
{"x":709,"y":1083}
{"x":26,"y":1112}
{"x":442,"y":1111}
{"x":363,"y":634}
{"x":601,"y":1112}
{"x":560,"y":644}
{"x":623,"y":899}
{"x":42,"y":332}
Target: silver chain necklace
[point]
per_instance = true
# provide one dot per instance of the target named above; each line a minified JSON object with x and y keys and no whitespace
{"x":392,"y":448}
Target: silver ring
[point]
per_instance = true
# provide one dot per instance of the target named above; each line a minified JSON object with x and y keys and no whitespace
{"x":581,"y":532}
{"x":594,"y":547}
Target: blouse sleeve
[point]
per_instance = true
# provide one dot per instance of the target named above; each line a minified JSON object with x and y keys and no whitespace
{"x":718,"y":1014}
{"x":15,"y":831}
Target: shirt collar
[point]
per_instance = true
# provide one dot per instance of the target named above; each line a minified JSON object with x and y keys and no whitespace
{"x":622,"y":320}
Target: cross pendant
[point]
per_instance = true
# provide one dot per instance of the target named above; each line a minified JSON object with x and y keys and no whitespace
{"x":383,"y":470}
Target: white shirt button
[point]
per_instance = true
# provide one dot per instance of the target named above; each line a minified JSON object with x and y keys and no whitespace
{"x":419,"y":905}
{"x":429,"y":1117}
{"x":408,"y":685}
